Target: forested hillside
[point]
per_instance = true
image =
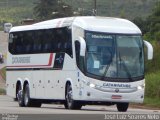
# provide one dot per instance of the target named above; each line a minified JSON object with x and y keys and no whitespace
{"x":16,"y":10}
{"x":118,"y":8}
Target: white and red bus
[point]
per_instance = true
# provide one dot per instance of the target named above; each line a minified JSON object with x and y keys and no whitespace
{"x":77,"y":61}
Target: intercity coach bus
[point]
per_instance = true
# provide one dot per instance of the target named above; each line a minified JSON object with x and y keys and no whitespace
{"x":77,"y":61}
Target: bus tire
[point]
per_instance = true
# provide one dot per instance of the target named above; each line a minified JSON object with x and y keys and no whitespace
{"x":15,"y":99}
{"x":70,"y":103}
{"x":122,"y":107}
{"x":20,"y":96}
{"x":28,"y":102}
{"x":37,"y":103}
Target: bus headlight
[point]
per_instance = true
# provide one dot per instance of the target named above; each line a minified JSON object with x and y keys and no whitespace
{"x":92,"y":85}
{"x":140,"y":87}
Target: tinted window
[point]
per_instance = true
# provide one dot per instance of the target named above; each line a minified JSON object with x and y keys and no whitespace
{"x":41,"y":41}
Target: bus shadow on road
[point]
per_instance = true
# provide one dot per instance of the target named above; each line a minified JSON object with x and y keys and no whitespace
{"x":103,"y":109}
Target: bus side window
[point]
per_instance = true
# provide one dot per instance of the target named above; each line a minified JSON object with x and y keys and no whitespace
{"x":79,"y":59}
{"x":38,"y":41}
{"x":15,"y":46}
{"x":59,"y":46}
{"x":37,"y":48}
{"x":68,"y":39}
{"x":54,"y":46}
{"x":19,"y":43}
{"x":47,"y":41}
{"x":77,"y":48}
{"x":53,"y":41}
{"x":57,"y":40}
{"x":69,"y":48}
{"x":46,"y":48}
{"x":12,"y":45}
{"x":65,"y":46}
{"x":28,"y":42}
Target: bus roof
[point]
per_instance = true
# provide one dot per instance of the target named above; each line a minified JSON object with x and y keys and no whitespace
{"x":91,"y":23}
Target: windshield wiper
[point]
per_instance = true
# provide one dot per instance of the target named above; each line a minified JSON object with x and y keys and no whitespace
{"x":125,"y":68}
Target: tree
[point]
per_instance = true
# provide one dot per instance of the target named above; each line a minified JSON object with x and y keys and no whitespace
{"x":43,"y":9}
{"x":49,"y":9}
{"x":122,"y":13}
{"x":63,"y":10}
{"x":154,"y":20}
{"x":151,"y":25}
{"x":142,"y":24}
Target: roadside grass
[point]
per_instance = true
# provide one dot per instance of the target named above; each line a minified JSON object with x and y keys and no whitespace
{"x":2,"y":91}
{"x":152,"y":89}
{"x":152,"y":102}
{"x":3,"y":72}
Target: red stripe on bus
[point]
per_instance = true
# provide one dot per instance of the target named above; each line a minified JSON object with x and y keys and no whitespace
{"x":50,"y":59}
{"x":49,"y":63}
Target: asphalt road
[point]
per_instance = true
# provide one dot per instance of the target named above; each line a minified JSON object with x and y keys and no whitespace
{"x":10,"y":107}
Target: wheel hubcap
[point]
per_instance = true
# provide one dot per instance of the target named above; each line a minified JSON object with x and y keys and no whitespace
{"x":26,"y":99}
{"x":19,"y":95}
{"x":69,"y":97}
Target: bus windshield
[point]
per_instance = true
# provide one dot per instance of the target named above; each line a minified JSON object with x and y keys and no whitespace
{"x":114,"y":56}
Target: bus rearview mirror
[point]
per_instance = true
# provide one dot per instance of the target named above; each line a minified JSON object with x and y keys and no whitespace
{"x":149,"y":50}
{"x":82,"y":46}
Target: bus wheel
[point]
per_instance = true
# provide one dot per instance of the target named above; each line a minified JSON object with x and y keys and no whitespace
{"x":122,"y":107}
{"x":20,"y":96}
{"x":70,"y":103}
{"x":28,"y":102}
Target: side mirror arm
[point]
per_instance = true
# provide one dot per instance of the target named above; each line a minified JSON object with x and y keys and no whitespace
{"x":149,"y":50}
{"x":82,"y":46}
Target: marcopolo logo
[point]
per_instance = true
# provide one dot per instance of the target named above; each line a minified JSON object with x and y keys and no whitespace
{"x":116,"y":85}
